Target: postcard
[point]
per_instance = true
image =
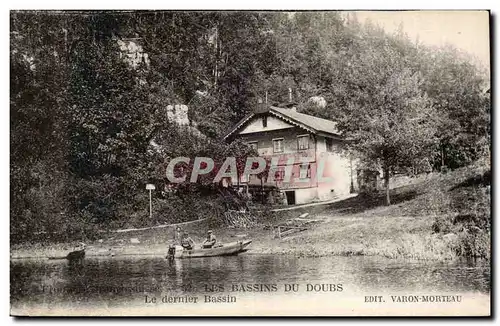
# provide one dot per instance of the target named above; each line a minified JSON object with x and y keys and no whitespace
{"x":250,"y":163}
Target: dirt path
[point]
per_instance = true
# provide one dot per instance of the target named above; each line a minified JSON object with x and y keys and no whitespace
{"x":314,"y":204}
{"x":159,"y":226}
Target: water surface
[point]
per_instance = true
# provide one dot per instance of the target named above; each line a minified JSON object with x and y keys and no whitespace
{"x":126,"y":281}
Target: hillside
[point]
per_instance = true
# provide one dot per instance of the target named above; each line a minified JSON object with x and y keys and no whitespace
{"x":80,"y":159}
{"x":435,"y":216}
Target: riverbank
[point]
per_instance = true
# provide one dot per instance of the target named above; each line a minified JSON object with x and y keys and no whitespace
{"x":425,"y":221}
{"x":343,"y":236}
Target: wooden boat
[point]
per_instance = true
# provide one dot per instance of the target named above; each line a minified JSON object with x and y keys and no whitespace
{"x":226,"y":249}
{"x":77,"y":254}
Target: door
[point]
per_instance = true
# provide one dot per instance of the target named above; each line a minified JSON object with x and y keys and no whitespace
{"x":290,"y":197}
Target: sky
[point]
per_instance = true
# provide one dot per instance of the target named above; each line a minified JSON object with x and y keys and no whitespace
{"x":466,"y":30}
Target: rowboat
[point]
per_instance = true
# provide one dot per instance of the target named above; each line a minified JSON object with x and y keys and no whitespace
{"x":226,"y":249}
{"x":74,"y":255}
{"x":77,"y":253}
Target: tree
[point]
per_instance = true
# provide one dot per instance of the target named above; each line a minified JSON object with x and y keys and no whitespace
{"x":389,"y":120}
{"x":458,"y":90}
{"x":38,"y":124}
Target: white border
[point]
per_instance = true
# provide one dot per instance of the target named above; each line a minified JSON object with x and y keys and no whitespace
{"x":253,"y":5}
{"x":190,"y":4}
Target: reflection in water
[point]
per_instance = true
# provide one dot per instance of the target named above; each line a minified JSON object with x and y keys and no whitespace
{"x":124,"y":280}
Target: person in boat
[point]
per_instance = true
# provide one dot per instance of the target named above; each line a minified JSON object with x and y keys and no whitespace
{"x":186,"y":241}
{"x":178,"y":235}
{"x":210,"y":241}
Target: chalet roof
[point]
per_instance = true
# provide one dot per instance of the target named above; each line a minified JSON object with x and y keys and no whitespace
{"x":305,"y":121}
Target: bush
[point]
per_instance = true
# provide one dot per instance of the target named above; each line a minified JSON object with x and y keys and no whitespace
{"x":469,"y":216}
{"x":474,"y":245}
{"x":443,"y":224}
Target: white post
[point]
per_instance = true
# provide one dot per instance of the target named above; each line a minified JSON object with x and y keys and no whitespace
{"x":150,"y":187}
{"x":150,"y":206}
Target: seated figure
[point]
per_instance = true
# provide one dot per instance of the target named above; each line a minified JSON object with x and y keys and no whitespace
{"x":186,"y":241}
{"x":210,"y":241}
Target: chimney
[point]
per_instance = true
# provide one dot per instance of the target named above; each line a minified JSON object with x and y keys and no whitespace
{"x":260,"y":107}
{"x":290,"y":94}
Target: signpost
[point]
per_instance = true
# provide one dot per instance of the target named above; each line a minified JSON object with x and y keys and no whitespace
{"x":150,"y":187}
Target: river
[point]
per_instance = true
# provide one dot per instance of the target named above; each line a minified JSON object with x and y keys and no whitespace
{"x":260,"y":284}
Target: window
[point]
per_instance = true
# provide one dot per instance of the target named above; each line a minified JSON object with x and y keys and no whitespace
{"x":253,"y":145}
{"x":244,"y":178}
{"x":305,"y":171}
{"x":303,"y":142}
{"x":264,"y":122}
{"x":278,"y":145}
{"x":329,"y":145}
{"x":279,"y":175}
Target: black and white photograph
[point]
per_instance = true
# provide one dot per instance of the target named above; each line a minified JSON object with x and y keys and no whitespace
{"x":250,"y":163}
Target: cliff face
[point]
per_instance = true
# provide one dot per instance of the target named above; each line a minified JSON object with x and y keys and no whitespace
{"x":178,"y":114}
{"x":132,"y":52}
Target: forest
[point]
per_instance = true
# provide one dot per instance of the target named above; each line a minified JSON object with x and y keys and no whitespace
{"x":83,"y":115}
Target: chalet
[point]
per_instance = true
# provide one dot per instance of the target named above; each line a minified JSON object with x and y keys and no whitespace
{"x":308,"y":149}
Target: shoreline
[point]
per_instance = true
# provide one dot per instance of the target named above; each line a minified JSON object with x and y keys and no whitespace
{"x":335,"y":236}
